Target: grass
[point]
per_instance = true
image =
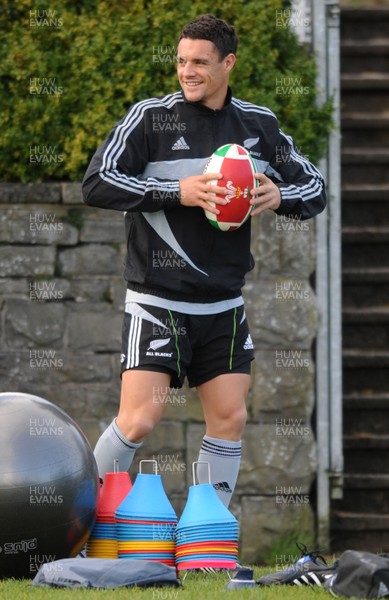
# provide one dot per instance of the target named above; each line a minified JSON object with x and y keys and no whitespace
{"x":196,"y":586}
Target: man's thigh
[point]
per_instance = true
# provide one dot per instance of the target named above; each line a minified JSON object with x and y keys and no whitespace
{"x":224,"y":404}
{"x":224,"y":347}
{"x":153,"y":339}
{"x":142,"y":402}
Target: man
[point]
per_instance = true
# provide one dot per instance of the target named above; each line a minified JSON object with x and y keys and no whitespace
{"x":185,"y":316}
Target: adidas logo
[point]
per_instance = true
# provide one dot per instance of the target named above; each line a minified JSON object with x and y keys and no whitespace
{"x":223,"y":487}
{"x":248,"y":345}
{"x":308,"y":579}
{"x":180,"y":144}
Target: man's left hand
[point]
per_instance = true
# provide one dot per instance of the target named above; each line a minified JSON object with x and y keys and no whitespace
{"x":266,"y":196}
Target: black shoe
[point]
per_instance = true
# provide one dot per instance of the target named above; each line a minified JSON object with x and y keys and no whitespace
{"x":317,"y":576}
{"x":309,"y":569}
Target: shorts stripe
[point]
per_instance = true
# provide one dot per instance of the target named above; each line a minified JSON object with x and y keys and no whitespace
{"x":133,"y":342}
{"x":233,"y":339}
{"x":176,"y":342}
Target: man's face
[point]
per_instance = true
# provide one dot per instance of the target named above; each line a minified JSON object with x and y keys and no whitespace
{"x":203,"y":76}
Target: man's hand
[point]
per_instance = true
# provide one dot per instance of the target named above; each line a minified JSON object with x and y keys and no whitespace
{"x":195,"y":190}
{"x":266,"y":196}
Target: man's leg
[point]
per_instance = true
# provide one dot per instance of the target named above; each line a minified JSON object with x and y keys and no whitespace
{"x":224,"y":405}
{"x":142,"y":403}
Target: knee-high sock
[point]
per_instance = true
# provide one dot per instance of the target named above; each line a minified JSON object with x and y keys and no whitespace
{"x":113,"y":445}
{"x":223,"y":457}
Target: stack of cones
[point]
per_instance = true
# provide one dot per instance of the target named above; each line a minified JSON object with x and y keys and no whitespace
{"x":146,"y":521}
{"x":207,"y":533}
{"x":103,"y":541}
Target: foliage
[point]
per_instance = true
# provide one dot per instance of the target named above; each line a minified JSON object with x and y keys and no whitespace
{"x":70,"y":72}
{"x":75,"y":217}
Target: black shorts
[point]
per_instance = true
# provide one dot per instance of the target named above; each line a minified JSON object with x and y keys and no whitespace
{"x":199,"y":347}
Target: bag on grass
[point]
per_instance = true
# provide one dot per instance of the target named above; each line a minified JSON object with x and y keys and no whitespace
{"x":104,"y":573}
{"x":361,"y":575}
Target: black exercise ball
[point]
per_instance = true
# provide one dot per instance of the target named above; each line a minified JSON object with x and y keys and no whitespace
{"x":48,"y":485}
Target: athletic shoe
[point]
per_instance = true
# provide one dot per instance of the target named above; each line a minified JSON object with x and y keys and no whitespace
{"x":243,"y":577}
{"x":318,"y":577}
{"x":309,"y":569}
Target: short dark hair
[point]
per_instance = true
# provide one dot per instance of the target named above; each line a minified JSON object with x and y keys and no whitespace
{"x":209,"y":27}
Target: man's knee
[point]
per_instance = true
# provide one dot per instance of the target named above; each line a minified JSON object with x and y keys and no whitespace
{"x":135,"y":426}
{"x":237,"y":419}
{"x":229,"y":425}
{"x":138,"y":413}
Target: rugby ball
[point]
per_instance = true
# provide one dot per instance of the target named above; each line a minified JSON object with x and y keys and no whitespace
{"x":238,"y":168}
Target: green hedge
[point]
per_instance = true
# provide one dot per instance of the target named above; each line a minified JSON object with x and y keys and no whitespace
{"x":69,"y":72}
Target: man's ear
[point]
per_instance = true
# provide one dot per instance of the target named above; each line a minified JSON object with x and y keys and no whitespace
{"x":229,"y":61}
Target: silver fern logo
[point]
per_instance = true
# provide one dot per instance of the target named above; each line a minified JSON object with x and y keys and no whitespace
{"x":156,"y":344}
{"x":250,"y":143}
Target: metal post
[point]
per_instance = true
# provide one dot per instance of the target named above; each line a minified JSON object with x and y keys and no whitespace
{"x":335,"y":246}
{"x":328,"y":279}
{"x":322,"y":378}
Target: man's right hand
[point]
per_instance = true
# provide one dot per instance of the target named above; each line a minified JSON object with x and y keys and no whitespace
{"x":197,"y":189}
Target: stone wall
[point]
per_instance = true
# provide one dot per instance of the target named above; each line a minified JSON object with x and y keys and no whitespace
{"x":61,"y":305}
